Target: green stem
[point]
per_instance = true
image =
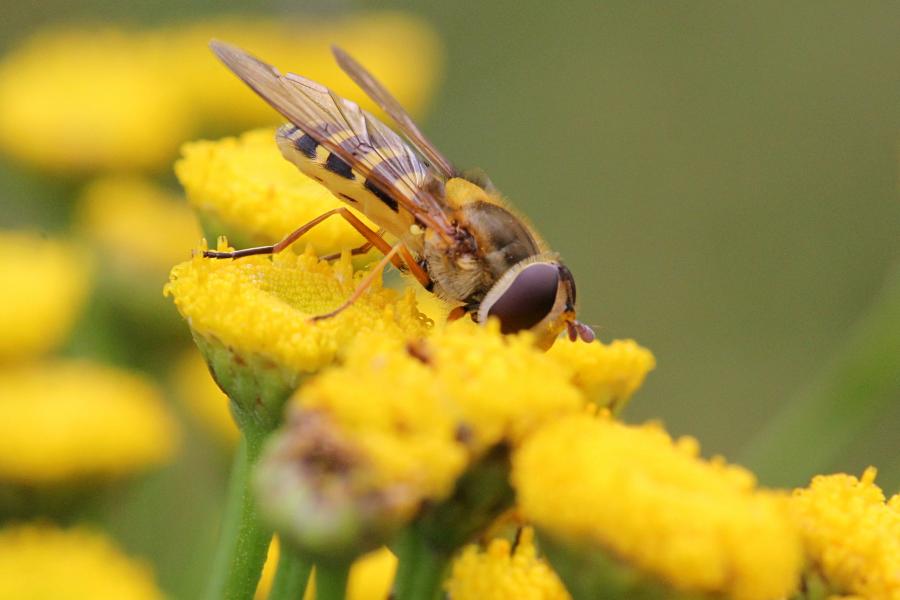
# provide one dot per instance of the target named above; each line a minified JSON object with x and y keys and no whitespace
{"x":421,"y":568}
{"x":291,"y":577}
{"x":862,"y":382}
{"x":331,"y":580}
{"x":244,"y":541}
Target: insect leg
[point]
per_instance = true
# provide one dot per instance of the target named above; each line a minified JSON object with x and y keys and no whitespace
{"x":365,"y":283}
{"x":276,"y":248}
{"x":356,"y":251}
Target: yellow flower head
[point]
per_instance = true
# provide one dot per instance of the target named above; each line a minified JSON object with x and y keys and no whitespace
{"x":245,"y":186}
{"x":74,"y":100}
{"x":263,"y":306}
{"x":44,"y":287}
{"x":85,"y":99}
{"x":66,"y":420}
{"x":504,"y":572}
{"x":202,"y":397}
{"x":637,"y":495}
{"x":397,"y":423}
{"x":139,"y":227}
{"x":401,"y":50}
{"x":42,"y":561}
{"x":608,"y":374}
{"x":851,"y":535}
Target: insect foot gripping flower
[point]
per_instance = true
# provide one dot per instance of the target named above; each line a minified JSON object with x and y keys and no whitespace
{"x":851,"y":535}
{"x":251,"y":319}
{"x":42,"y":561}
{"x":624,"y":511}
{"x":244,"y":188}
{"x":44,"y":284}
{"x":67,"y":420}
{"x":504,"y":571}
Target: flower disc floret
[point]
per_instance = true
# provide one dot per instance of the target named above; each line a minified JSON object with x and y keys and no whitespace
{"x":649,"y":501}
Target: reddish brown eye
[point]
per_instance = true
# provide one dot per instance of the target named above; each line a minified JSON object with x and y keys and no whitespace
{"x":528,"y":299}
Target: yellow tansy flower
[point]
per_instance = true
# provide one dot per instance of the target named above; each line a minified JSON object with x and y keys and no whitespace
{"x":65,"y":420}
{"x":649,"y":501}
{"x":851,"y":535}
{"x":41,"y":561}
{"x":608,"y":374}
{"x":402,"y":50}
{"x":262,"y":306}
{"x":92,"y":98}
{"x":368,"y":443}
{"x":203,"y":398}
{"x":139,"y":227}
{"x":504,"y":572}
{"x":44,"y":287}
{"x":245,"y":186}
{"x":75,"y":100}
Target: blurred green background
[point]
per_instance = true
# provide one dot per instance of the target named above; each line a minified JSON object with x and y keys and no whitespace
{"x":721,"y":178}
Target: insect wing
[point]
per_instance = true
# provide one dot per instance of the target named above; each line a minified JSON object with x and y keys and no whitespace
{"x":383,"y":98}
{"x":344,"y":129}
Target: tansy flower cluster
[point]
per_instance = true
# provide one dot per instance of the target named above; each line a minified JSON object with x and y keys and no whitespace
{"x":58,"y":110}
{"x":402,"y":429}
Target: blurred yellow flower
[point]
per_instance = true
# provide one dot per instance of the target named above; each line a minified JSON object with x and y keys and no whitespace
{"x":262,"y":306}
{"x":85,"y":99}
{"x":372,"y":576}
{"x":43,"y":562}
{"x":851,"y":534}
{"x":140,"y":228}
{"x":700,"y":526}
{"x":245,"y":185}
{"x":65,"y":420}
{"x":196,"y":388}
{"x":74,"y":100}
{"x":402,"y":50}
{"x":504,"y":572}
{"x":44,"y":283}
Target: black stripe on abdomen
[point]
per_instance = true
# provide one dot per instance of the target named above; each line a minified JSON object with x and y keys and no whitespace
{"x":388,"y":201}
{"x":307,"y":145}
{"x":338,"y":166}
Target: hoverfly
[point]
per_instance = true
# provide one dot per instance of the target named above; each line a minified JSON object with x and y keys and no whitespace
{"x":454,"y":233}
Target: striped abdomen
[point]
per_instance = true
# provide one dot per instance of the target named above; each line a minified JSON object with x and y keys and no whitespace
{"x":346,"y":183}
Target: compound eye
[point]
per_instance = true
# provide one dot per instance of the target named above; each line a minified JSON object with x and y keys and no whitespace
{"x":527,"y":299}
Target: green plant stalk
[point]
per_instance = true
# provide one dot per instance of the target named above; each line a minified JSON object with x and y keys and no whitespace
{"x":291,"y":577}
{"x":860,"y":384}
{"x":421,"y":568}
{"x":244,"y":540}
{"x":331,"y":580}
